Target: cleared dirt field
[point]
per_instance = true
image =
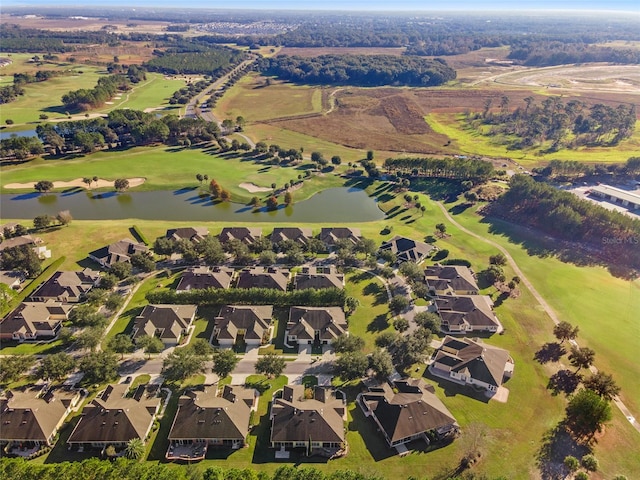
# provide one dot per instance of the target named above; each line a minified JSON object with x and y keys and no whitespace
{"x":89,"y":23}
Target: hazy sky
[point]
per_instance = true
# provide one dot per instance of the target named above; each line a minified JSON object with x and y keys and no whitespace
{"x":624,"y":5}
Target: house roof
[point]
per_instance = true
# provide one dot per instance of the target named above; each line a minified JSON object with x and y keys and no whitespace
{"x":331,"y":235}
{"x":119,"y":251}
{"x":64,"y":285}
{"x":296,"y":419}
{"x":168,"y":320}
{"x":298,"y":235}
{"x":205,"y":414}
{"x":276,"y":278}
{"x":450,"y":277}
{"x":317,"y":278}
{"x":198,"y":278}
{"x":244,"y":234}
{"x":303,"y":322}
{"x":407,"y":249}
{"x":18,"y":241}
{"x":31,"y":414}
{"x":408,"y":409}
{"x":473,"y":310}
{"x":112,"y":417}
{"x":253,"y":319}
{"x":11,"y":277}
{"x":30,"y":317}
{"x":193,"y":234}
{"x":480,"y":361}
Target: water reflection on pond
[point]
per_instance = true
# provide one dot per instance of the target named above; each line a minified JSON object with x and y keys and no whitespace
{"x":341,"y":204}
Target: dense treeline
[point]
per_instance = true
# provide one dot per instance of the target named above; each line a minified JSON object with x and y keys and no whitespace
{"x":453,"y":168}
{"x":106,"y":88}
{"x":569,"y":170}
{"x":362,"y":70}
{"x":564,"y":215}
{"x":540,"y":53}
{"x":17,"y":39}
{"x":252,"y":296}
{"x":20,"y":147}
{"x":213,"y":61}
{"x":571,"y":124}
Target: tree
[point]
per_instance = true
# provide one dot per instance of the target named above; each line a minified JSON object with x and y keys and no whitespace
{"x":429,"y":320}
{"x":565,"y":331}
{"x":42,"y":221}
{"x":316,"y":157}
{"x":149,"y":344}
{"x":255,"y":202}
{"x":43,"y":186}
{"x":350,"y":305}
{"x":586,"y":413}
{"x":200,"y":346}
{"x":143,"y":262}
{"x":99,"y":367}
{"x":225,"y":195}
{"x":90,"y":337}
{"x":581,"y":357}
{"x":288,"y":198}
{"x":272,"y":203}
{"x":370,"y":155}
{"x":572,"y":463}
{"x":498,"y":259}
{"x":590,"y":462}
{"x":224,"y":361}
{"x":401,"y":324}
{"x":12,"y":367}
{"x":347,"y":343}
{"x":271,"y":365}
{"x":351,"y":365}
{"x":121,"y":344}
{"x":336,"y":160}
{"x":441,"y":228}
{"x":135,"y":449}
{"x":411,"y":271}
{"x":121,"y":184}
{"x":181,"y":364}
{"x":398,"y":303}
{"x":381,"y":363}
{"x":385,"y":339}
{"x":199,"y":177}
{"x":581,"y":476}
{"x":21,"y":257}
{"x":268,"y":257}
{"x":603,"y":384}
{"x":56,"y":366}
{"x":121,"y":270}
{"x":410,"y":349}
{"x":64,"y":217}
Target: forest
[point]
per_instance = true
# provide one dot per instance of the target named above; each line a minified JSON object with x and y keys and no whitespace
{"x":615,"y":236}
{"x":359,"y":70}
{"x":211,"y":61}
{"x":452,"y":168}
{"x":544,"y":53}
{"x":565,"y":124}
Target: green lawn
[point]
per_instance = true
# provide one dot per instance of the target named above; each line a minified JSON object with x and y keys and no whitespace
{"x":151,"y":93}
{"x":471,"y":142}
{"x":164,"y":168}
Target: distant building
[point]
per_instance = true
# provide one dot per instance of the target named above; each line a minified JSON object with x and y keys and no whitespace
{"x":271,"y":277}
{"x":250,"y":322}
{"x":167,"y":322}
{"x":244,"y":234}
{"x":300,"y":236}
{"x":407,"y":410}
{"x":200,"y":278}
{"x":617,"y":196}
{"x":406,"y":249}
{"x":192,"y":234}
{"x":120,"y":251}
{"x":318,"y":278}
{"x":113,"y":418}
{"x":332,"y":235}
{"x":67,"y":286}
{"x":320,"y":325}
{"x":33,"y":321}
{"x":210,"y":418}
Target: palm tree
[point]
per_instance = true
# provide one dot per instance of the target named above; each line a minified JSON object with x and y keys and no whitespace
{"x":135,"y":449}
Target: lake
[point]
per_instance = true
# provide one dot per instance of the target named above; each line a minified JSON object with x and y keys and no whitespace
{"x":340,"y":204}
{"x":21,"y":133}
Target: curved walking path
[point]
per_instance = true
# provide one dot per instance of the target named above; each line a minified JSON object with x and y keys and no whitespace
{"x":546,"y":307}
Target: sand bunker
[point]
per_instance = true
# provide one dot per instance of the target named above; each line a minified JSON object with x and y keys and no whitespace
{"x":101,"y":183}
{"x":253,"y":188}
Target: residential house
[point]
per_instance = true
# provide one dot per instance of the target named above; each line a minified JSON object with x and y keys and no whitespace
{"x":467,"y":313}
{"x":317,"y":278}
{"x":249,"y":322}
{"x":320,"y":325}
{"x":33,"y":321}
{"x":211,"y":418}
{"x":200,"y":278}
{"x":246,"y":235}
{"x":300,"y":236}
{"x":407,"y":410}
{"x":67,"y":287}
{"x":167,"y":322}
{"x":7,"y":229}
{"x":271,"y":277}
{"x":450,"y":280}
{"x":472,"y":362}
{"x":331,"y":235}
{"x":31,"y":417}
{"x":407,"y":249}
{"x":316,"y":424}
{"x":113,"y":418}
{"x":120,"y":251}
{"x":12,"y":278}
{"x":35,"y":243}
{"x":192,"y":234}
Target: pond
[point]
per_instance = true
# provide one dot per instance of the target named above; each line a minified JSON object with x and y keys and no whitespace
{"x":340,"y":204}
{"x":21,"y":133}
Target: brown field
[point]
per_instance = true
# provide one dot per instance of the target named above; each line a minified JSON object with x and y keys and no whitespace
{"x":86,"y":24}
{"x":127,"y":53}
{"x":317,"y":51}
